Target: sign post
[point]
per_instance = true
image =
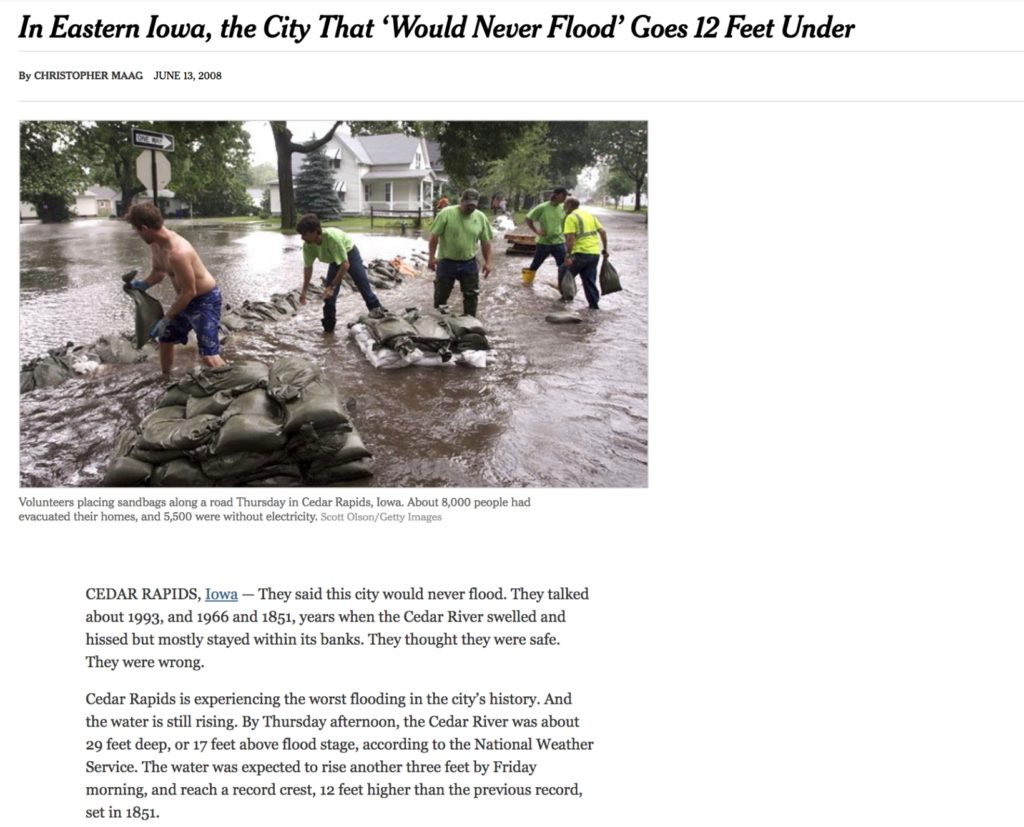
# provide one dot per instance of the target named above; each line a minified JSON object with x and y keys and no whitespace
{"x":153,"y":141}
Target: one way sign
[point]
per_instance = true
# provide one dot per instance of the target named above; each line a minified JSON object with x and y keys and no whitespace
{"x":152,"y":140}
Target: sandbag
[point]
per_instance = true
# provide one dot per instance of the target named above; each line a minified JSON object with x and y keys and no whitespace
{"x":173,"y":397}
{"x":319,"y":405}
{"x":49,"y":371}
{"x":213,"y":405}
{"x":256,"y":402}
{"x":167,"y":429}
{"x":116,"y":350}
{"x":609,"y":278}
{"x":125,"y":441}
{"x":471,"y":341}
{"x":124,"y":472}
{"x":154,"y":457}
{"x":241,"y":464}
{"x":28,"y":381}
{"x":248,"y":432}
{"x":389,"y":328}
{"x":461,"y":325}
{"x":179,"y":473}
{"x":567,"y":285}
{"x":148,"y":311}
{"x":238,"y":376}
{"x":342,"y":444}
{"x":289,"y":375}
{"x":562,"y":317}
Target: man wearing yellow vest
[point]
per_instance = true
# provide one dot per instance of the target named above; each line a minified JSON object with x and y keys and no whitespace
{"x":585,"y":241}
{"x":452,"y":251}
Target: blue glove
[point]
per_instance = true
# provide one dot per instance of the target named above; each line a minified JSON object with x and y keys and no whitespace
{"x":156,"y":331}
{"x":139,"y":284}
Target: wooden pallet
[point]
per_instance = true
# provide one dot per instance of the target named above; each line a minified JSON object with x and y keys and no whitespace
{"x":521,"y":244}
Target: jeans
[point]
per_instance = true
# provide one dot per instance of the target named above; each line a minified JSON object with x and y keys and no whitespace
{"x":467,"y":273}
{"x":545,"y":250}
{"x":357,"y":270}
{"x":584,"y":265}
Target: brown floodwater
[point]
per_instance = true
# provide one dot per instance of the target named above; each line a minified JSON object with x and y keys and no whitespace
{"x":557,"y":405}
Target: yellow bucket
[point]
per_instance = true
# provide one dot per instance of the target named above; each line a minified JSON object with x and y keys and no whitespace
{"x":528,"y":275}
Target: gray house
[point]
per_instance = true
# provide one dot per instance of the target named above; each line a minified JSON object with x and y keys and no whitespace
{"x":389,"y":172}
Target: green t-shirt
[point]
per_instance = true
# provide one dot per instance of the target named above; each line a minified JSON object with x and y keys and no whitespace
{"x":550,"y":218}
{"x":333,"y":248}
{"x":584,"y":226}
{"x":459,"y":233}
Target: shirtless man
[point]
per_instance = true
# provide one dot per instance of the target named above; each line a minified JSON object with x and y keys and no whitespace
{"x":197,"y":306}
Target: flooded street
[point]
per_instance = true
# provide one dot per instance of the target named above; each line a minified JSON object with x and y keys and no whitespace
{"x":557,"y":405}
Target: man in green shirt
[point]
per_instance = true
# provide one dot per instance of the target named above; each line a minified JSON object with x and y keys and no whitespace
{"x":545,"y":220}
{"x":339,"y":252}
{"x":586,"y":242}
{"x":453,"y":239}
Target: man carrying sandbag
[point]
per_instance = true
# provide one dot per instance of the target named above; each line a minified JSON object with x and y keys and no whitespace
{"x":198,"y":303}
{"x":454,"y":236}
{"x":586,"y":241}
{"x":338,"y":251}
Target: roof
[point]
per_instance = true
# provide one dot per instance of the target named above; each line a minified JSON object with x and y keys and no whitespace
{"x":97,"y":191}
{"x":380,"y":150}
{"x":434,"y":153}
{"x":385,"y":175}
{"x":395,"y":148}
{"x":356,"y":148}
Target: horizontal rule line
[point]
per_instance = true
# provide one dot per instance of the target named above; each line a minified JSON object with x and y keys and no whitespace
{"x":530,"y":51}
{"x":530,"y":101}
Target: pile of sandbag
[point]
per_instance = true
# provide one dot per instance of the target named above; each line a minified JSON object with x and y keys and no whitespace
{"x":386,"y":274}
{"x":243,"y":425}
{"x":436,"y":337}
{"x":120,"y":349}
{"x":60,"y":363}
{"x":251,"y":315}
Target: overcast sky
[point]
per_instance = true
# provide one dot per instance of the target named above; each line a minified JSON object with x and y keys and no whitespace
{"x":262,"y":140}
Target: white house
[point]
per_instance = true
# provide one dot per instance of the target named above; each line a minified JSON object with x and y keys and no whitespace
{"x":170,"y":205}
{"x":389,"y":172}
{"x":96,"y":201}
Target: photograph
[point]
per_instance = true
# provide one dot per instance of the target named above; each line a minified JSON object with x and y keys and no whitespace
{"x":408,"y":304}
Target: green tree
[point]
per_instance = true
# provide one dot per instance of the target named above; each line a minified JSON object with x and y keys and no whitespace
{"x":261,"y":175}
{"x":211,"y":166}
{"x":314,"y":187}
{"x":286,"y":146}
{"x":111,"y":157}
{"x":571,"y":146}
{"x":525,"y":169}
{"x":467,"y":147}
{"x":613,"y":183}
{"x":51,"y":167}
{"x":623,"y":146}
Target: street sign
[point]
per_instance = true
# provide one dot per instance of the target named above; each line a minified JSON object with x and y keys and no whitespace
{"x":144,"y":169}
{"x":152,"y":140}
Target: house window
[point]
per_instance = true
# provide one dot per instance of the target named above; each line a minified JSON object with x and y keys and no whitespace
{"x":388,"y":190}
{"x":368,"y":192}
{"x":337,"y":163}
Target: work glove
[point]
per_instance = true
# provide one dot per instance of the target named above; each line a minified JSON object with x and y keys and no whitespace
{"x":139,"y":284}
{"x":157,"y":330}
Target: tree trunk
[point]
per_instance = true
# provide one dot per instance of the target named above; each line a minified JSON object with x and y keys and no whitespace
{"x":639,"y":189}
{"x":285,"y":147}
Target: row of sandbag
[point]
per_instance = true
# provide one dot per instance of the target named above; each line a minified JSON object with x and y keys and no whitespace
{"x":434,"y":337}
{"x":243,"y":425}
{"x":384,"y":274}
{"x":120,"y":349}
